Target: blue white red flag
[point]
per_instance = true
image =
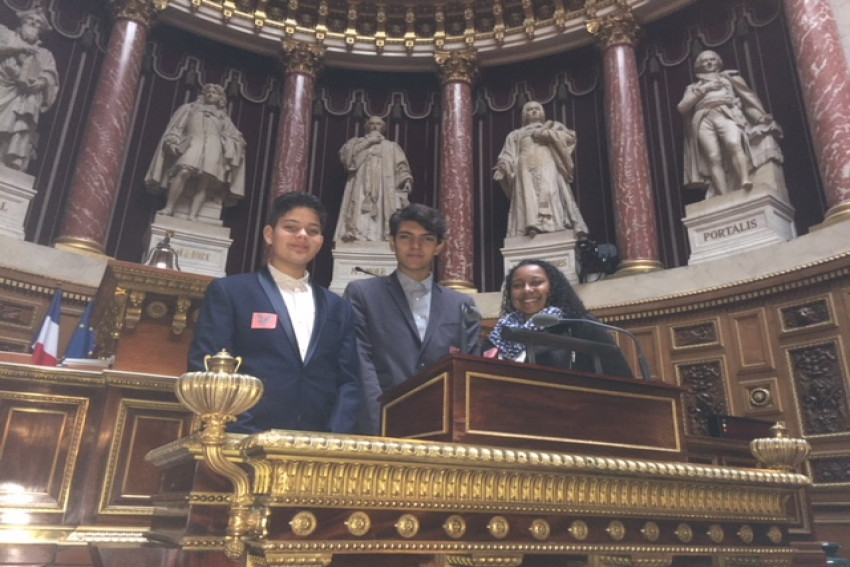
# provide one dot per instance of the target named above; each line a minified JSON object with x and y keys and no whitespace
{"x":45,"y":348}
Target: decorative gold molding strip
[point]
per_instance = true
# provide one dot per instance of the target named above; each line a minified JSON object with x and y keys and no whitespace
{"x":445,"y":547}
{"x":376,"y":34}
{"x":12,"y":283}
{"x":694,"y":304}
{"x":291,"y":444}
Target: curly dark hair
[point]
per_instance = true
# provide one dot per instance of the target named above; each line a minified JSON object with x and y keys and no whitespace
{"x":561,"y":292}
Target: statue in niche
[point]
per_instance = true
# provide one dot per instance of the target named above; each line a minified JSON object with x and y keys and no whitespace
{"x":379,"y":183}
{"x":728,"y":134}
{"x":535,"y":169}
{"x":201,"y":156}
{"x":29,"y":84}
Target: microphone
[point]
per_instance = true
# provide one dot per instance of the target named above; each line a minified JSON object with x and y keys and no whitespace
{"x":470,"y":316}
{"x":365,"y":271}
{"x":547,"y":320}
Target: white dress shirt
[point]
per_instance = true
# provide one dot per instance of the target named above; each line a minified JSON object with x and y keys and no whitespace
{"x":298,"y":297}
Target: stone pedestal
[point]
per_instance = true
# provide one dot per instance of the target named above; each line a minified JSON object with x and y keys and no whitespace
{"x":557,"y":248}
{"x":737,"y":222}
{"x":373,"y":257}
{"x":16,"y":193}
{"x":200,"y":246}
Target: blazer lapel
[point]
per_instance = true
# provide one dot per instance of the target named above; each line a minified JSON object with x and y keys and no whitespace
{"x":436,"y":313}
{"x":273,"y":293}
{"x":398,"y":297}
{"x":320,"y":301}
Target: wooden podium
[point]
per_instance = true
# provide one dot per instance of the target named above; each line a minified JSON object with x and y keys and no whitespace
{"x":470,"y":399}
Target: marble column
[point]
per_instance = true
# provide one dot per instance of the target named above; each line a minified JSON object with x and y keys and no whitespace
{"x":457,"y":74}
{"x":302,"y":63}
{"x":637,"y":234}
{"x":96,"y":178}
{"x":825,"y":79}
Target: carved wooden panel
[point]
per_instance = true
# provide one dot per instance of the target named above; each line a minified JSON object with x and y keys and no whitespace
{"x":834,"y":469}
{"x":817,"y":372}
{"x":49,"y":430}
{"x":142,"y":425}
{"x":815,"y":312}
{"x":697,"y":334}
{"x":706,"y":393}
{"x":752,"y":340}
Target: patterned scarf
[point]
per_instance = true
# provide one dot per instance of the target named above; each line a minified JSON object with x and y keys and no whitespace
{"x":516,"y":320}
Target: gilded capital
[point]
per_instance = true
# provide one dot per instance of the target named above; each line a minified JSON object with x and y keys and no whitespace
{"x":457,"y":65}
{"x":300,"y":57}
{"x":614,"y":28}
{"x":140,"y":11}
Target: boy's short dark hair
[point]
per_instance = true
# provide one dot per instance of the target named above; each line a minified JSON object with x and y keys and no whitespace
{"x":288,"y":201}
{"x":430,"y":218}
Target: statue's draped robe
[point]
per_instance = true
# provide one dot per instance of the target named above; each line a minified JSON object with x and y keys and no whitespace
{"x":20,"y":111}
{"x":209,"y":144}
{"x":376,"y":174}
{"x":537,"y":177}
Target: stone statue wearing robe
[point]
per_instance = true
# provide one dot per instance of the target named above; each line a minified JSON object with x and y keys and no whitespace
{"x":29,"y":84}
{"x":728,"y":133}
{"x":201,"y":156}
{"x":535,"y":169}
{"x":379,"y":183}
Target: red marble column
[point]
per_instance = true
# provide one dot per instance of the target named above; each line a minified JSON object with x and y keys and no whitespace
{"x":96,"y":178}
{"x":825,"y":78}
{"x":637,"y":237}
{"x":302,"y":63}
{"x":457,"y":73}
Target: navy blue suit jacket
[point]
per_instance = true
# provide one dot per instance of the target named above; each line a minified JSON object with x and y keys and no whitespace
{"x":321,"y":393}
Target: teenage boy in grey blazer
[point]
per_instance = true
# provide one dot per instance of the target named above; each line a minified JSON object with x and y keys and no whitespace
{"x":406,"y":321}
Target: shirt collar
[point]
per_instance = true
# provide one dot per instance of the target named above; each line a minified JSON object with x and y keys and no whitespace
{"x":288,"y":283}
{"x":409,"y":285}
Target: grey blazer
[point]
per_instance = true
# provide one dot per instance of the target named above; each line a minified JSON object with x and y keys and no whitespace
{"x":387,"y":340}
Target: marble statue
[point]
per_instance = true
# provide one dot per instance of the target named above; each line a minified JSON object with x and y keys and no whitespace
{"x":29,"y":84}
{"x":201,"y":156}
{"x":379,"y":183}
{"x":728,"y":133}
{"x":535,"y":169}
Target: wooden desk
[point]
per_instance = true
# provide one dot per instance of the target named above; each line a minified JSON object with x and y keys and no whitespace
{"x":467,"y":399}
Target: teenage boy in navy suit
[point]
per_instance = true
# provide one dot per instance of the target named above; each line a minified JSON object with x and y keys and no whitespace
{"x":295,"y":336}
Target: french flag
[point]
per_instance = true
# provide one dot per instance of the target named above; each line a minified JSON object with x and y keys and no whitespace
{"x":45,"y":349}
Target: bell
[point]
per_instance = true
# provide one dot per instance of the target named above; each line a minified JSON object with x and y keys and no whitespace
{"x":163,"y":255}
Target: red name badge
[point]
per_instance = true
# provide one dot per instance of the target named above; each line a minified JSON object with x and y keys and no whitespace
{"x":264,"y":321}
